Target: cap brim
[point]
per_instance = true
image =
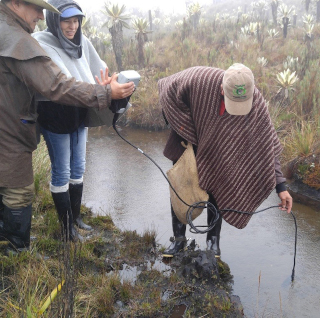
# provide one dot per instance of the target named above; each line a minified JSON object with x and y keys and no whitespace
{"x":71,"y":12}
{"x":238,"y":108}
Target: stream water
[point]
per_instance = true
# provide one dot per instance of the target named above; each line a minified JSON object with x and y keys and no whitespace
{"x":120,"y":181}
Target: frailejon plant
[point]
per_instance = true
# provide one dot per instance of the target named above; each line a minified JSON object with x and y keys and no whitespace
{"x":308,"y":19}
{"x":286,"y":81}
{"x":260,"y":9}
{"x":274,"y":8}
{"x":117,"y":20}
{"x":285,"y":13}
{"x":244,"y":18}
{"x":194,"y":13}
{"x":149,"y":49}
{"x":291,"y":63}
{"x":309,"y":29}
{"x":178,"y":25}
{"x":262,"y":61}
{"x":141,"y":32}
{"x":156,"y":23}
{"x":273,"y":33}
{"x":251,"y":28}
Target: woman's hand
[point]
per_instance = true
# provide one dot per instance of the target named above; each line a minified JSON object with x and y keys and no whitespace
{"x":105,"y":79}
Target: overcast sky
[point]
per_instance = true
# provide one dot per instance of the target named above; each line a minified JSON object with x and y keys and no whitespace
{"x":169,"y":6}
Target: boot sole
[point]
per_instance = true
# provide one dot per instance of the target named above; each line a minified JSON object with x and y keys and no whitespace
{"x":167,"y":255}
{"x":171,"y":255}
{"x":82,"y":228}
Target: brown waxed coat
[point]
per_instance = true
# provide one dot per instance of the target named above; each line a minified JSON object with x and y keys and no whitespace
{"x":26,"y":69}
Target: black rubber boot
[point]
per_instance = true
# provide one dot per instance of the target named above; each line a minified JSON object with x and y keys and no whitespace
{"x":63,"y":207}
{"x":75,"y":192}
{"x":213,"y":236}
{"x":179,"y":240}
{"x":16,"y":227}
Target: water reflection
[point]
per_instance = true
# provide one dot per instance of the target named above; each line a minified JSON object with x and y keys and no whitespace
{"x":130,"y":273}
{"x":121,"y":182}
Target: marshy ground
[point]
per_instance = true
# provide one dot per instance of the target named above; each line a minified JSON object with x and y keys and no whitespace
{"x":92,"y":274}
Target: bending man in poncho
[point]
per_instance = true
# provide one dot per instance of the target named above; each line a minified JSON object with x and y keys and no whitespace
{"x":224,"y":116}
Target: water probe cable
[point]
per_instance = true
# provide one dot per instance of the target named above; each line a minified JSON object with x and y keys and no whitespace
{"x":206,"y":204}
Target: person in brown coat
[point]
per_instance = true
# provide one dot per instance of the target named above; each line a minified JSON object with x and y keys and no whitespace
{"x":225,"y":117}
{"x":26,"y":69}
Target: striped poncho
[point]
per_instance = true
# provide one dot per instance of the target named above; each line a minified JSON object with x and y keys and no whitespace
{"x":235,"y":154}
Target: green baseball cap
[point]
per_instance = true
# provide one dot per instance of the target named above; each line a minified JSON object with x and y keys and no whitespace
{"x":44,"y":4}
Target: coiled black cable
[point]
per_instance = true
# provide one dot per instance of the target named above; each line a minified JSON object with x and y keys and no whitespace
{"x":206,"y":204}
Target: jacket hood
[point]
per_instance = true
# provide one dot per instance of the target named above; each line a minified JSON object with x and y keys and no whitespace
{"x":73,"y":48}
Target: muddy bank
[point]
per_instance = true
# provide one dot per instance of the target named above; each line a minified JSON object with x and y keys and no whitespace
{"x":113,"y":273}
{"x":193,"y":283}
{"x":302,"y":193}
{"x":303,"y":175}
{"x":210,"y":282}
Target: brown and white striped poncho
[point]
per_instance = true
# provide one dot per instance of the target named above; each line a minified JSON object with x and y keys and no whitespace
{"x":235,"y":154}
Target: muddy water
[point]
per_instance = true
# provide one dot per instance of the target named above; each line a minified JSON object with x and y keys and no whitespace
{"x":121,"y":182}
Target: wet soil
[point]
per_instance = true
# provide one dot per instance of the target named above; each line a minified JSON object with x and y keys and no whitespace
{"x":193,"y":282}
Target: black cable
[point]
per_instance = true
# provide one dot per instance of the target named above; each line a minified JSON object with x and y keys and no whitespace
{"x":206,"y":204}
{"x":115,"y":118}
{"x":295,"y":246}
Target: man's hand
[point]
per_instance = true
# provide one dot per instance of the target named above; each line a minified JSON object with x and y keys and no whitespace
{"x":119,"y":91}
{"x":286,"y":201}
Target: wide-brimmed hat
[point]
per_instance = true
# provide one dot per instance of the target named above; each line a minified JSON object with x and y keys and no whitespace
{"x":238,"y":87}
{"x":44,"y":4}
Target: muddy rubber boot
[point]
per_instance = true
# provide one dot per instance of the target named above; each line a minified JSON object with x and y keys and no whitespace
{"x":16,"y":227}
{"x":179,"y":240}
{"x":75,"y":192}
{"x":63,"y":207}
{"x":213,"y":236}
